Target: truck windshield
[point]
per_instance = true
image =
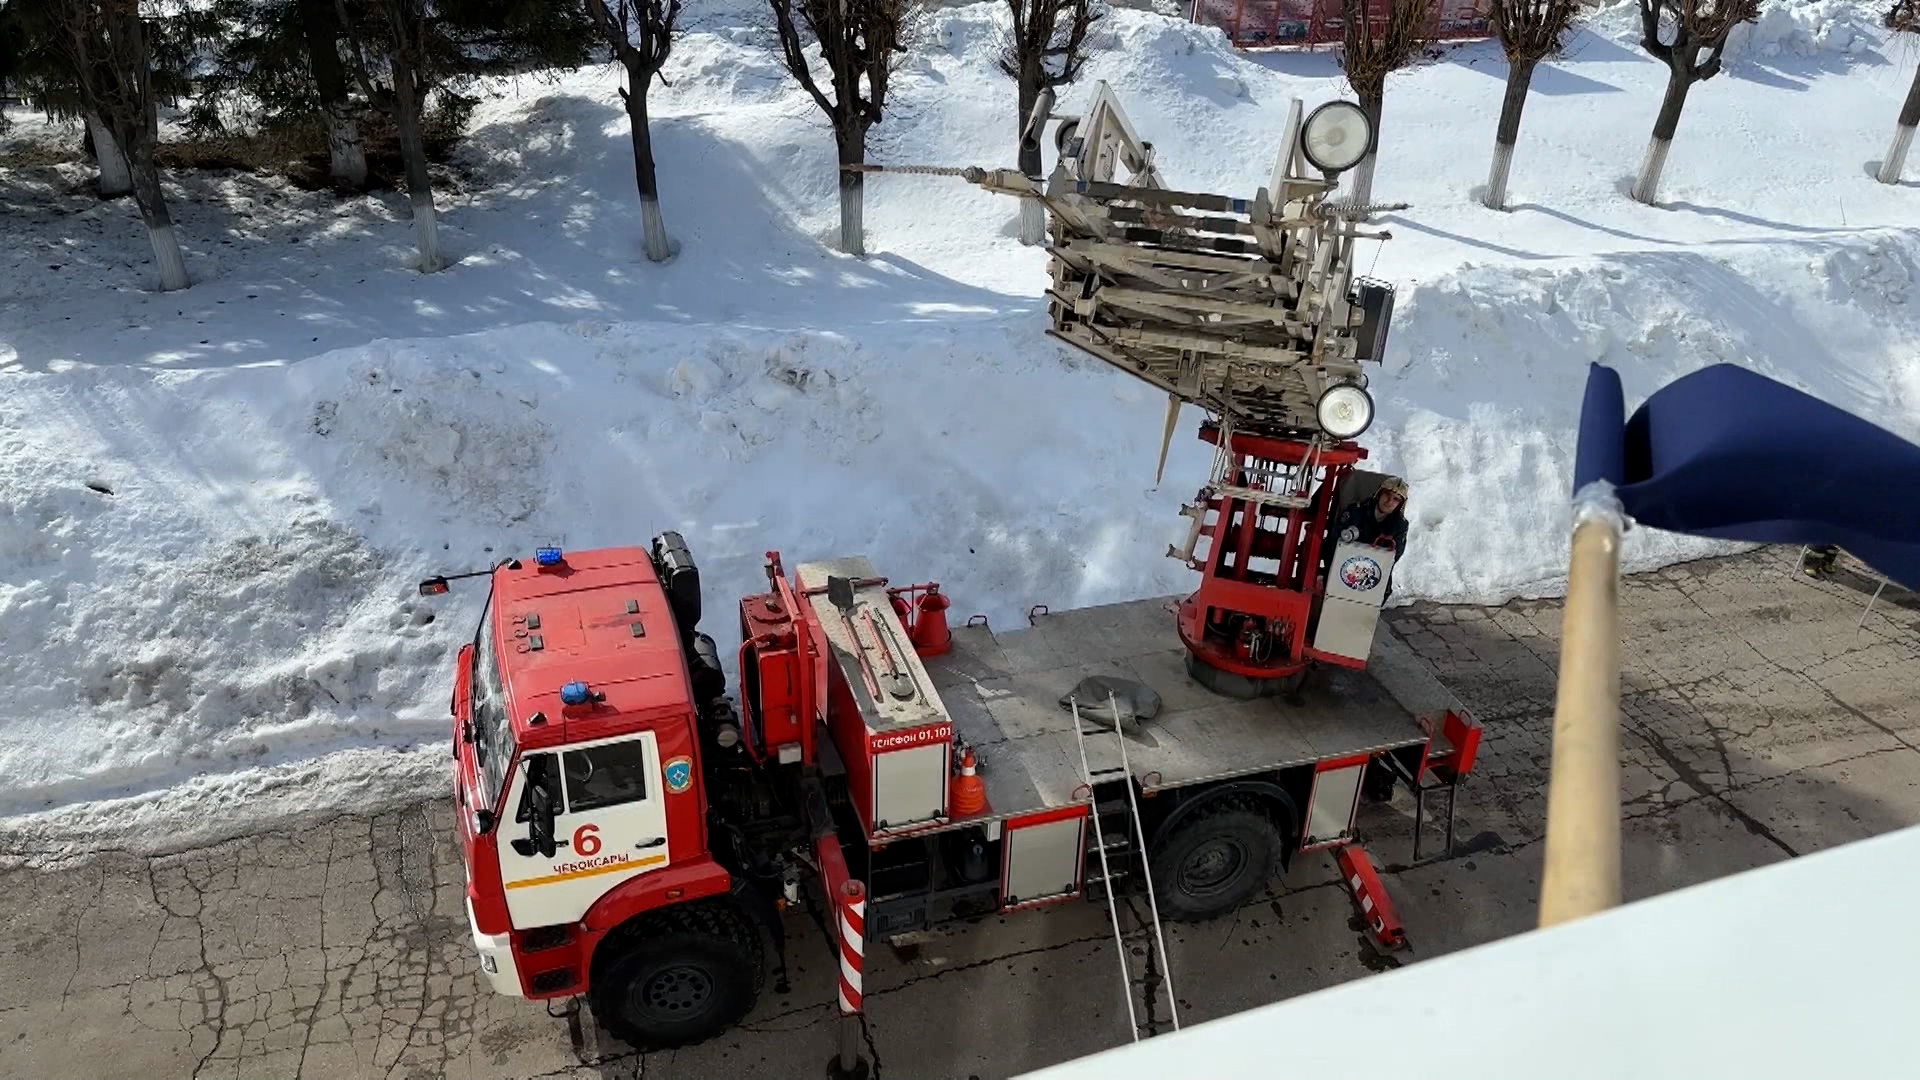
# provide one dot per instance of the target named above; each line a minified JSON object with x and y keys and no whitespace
{"x":492,"y":735}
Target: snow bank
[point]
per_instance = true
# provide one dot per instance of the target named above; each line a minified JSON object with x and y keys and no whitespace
{"x":212,"y":572}
{"x":213,"y":505}
{"x":1483,"y":393}
{"x":1784,"y":28}
{"x":1806,"y":28}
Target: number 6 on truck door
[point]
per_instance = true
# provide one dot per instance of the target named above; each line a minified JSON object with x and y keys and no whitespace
{"x":609,"y":824}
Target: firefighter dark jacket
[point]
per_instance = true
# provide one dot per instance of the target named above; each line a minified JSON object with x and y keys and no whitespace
{"x":1361,"y":522}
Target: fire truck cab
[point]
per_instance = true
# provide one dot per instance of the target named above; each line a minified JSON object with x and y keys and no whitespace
{"x":576,"y":780}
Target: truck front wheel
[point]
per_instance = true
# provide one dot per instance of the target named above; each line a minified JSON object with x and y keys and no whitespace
{"x":1214,"y":861}
{"x":676,"y":976}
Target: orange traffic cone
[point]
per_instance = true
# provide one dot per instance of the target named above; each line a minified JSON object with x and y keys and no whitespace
{"x":968,"y":796}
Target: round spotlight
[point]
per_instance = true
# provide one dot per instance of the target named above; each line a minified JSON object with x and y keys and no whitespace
{"x":1344,"y":411}
{"x":1063,"y":134}
{"x":1336,"y":136}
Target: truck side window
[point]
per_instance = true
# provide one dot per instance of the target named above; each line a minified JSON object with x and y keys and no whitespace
{"x":606,"y":775}
{"x":492,"y":734}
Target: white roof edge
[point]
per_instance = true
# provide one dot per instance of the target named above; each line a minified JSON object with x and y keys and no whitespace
{"x":1809,"y":967}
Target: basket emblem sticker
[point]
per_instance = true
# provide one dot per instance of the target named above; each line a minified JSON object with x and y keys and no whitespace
{"x":1360,"y":573}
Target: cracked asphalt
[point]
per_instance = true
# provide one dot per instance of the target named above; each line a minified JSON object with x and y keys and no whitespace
{"x":1761,"y":723}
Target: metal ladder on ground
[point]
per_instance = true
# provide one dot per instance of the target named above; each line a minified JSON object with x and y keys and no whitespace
{"x":1124,"y":773}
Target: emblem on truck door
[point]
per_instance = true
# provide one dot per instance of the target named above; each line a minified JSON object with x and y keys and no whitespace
{"x":679,"y":774}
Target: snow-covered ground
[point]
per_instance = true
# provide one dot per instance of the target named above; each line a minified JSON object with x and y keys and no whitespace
{"x":214,"y":504}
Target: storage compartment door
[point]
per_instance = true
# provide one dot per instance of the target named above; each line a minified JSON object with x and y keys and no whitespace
{"x":1043,"y":857}
{"x":909,"y":786}
{"x":1335,"y":799}
{"x":1346,"y":628}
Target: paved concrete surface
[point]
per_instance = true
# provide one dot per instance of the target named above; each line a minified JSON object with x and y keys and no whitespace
{"x":1760,"y":724}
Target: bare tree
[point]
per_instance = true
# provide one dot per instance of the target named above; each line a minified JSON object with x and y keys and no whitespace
{"x":401,"y":51}
{"x":1903,"y":17}
{"x":641,"y":35}
{"x":857,"y":39}
{"x":396,"y":31}
{"x":105,"y":42}
{"x":1370,"y":51}
{"x":1699,"y":35}
{"x":321,"y":31}
{"x":35,"y":66}
{"x":1045,"y":48}
{"x":276,"y":64}
{"x":1529,"y":32}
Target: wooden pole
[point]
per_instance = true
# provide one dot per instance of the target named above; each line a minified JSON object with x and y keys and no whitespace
{"x":1583,"y":790}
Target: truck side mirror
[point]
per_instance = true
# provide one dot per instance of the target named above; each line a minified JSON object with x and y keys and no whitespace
{"x":538,"y":807}
{"x":540,"y":823}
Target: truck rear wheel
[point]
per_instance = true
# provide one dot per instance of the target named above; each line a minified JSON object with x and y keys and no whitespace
{"x":1214,"y":861}
{"x":676,"y":976}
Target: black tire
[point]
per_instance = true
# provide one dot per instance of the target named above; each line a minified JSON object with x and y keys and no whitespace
{"x":1216,"y":860}
{"x":676,"y":976}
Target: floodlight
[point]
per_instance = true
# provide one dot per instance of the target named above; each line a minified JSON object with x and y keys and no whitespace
{"x":1344,"y":411}
{"x":1336,"y":136}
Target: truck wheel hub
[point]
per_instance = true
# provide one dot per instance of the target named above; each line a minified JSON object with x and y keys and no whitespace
{"x":1211,"y":865}
{"x":675,"y":992}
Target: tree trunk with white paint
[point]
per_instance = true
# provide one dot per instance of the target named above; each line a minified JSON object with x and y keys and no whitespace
{"x":1646,"y":188}
{"x":116,"y":179}
{"x":1896,"y":160}
{"x":653,"y":231}
{"x":413,"y":150}
{"x":1361,"y":192}
{"x":1033,"y":216}
{"x":346,"y":152}
{"x":1033,"y":222}
{"x":1519,"y":77}
{"x":852,"y":145}
{"x":653,"y":227}
{"x":1373,"y":100}
{"x":119,"y":102}
{"x":167,"y":258}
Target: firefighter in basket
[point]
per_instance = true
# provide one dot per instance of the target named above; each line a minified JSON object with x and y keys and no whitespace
{"x":1380,"y":521}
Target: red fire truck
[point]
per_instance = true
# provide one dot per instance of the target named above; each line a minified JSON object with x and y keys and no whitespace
{"x":631,"y":832}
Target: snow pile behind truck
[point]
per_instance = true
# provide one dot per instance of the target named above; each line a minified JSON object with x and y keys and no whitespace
{"x":213,"y":505}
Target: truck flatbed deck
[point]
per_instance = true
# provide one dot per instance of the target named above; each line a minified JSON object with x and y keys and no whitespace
{"x":1003,"y":689}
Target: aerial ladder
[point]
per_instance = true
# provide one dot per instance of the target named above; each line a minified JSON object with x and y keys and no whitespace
{"x":1248,"y":309}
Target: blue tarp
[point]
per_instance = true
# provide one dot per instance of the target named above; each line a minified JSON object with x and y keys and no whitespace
{"x":1731,"y":454}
